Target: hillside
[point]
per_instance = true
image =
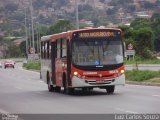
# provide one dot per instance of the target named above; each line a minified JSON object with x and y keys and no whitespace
{"x":91,"y":12}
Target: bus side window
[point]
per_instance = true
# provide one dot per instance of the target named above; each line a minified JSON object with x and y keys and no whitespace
{"x":45,"y":50}
{"x":64,"y":48}
{"x":58,"y":49}
{"x":49,"y":50}
{"x":48,"y":43}
{"x":42,"y":50}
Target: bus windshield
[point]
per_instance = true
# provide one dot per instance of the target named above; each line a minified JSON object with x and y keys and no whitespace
{"x":97,"y":52}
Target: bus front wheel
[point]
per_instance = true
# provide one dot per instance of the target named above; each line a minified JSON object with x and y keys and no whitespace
{"x":57,"y":89}
{"x":67,"y":89}
{"x":110,"y":89}
{"x":50,"y":87}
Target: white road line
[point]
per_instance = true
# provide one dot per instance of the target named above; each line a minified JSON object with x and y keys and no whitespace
{"x":41,"y":81}
{"x":145,"y":86}
{"x":156,"y":95}
{"x":131,"y":112}
{"x":18,"y":88}
{"x":3,"y":111}
{"x":127,"y":111}
{"x":119,"y":109}
{"x":39,"y":93}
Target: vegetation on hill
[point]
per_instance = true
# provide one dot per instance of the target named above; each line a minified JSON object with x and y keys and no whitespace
{"x":144,"y":34}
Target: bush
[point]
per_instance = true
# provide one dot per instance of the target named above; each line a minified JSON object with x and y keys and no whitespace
{"x":32,"y":65}
{"x":138,"y":75}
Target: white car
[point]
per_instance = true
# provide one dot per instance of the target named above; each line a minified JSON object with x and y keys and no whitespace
{"x":9,"y":63}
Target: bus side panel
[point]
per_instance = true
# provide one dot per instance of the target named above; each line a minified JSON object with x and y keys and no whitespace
{"x":45,"y":67}
{"x":43,"y":71}
{"x":59,"y":72}
{"x":69,"y":64}
{"x":53,"y":56}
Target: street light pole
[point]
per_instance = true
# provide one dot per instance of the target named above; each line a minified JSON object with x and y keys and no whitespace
{"x":77,"y":16}
{"x":26,"y":34}
{"x":37,"y":29}
{"x":29,"y":35}
{"x":31,"y":9}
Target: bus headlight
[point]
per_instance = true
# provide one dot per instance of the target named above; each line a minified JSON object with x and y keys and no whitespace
{"x":75,"y":73}
{"x":122,"y":71}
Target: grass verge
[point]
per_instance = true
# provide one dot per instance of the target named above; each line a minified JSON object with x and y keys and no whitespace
{"x":32,"y":66}
{"x":143,"y":76}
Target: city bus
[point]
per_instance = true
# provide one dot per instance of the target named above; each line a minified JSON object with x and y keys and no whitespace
{"x":83,"y":59}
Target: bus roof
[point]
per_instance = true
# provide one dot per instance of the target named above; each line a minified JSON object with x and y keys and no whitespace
{"x":68,"y":33}
{"x":44,"y":38}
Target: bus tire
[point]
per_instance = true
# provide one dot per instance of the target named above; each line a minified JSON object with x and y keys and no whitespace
{"x":57,"y":89}
{"x":84,"y":89}
{"x":70,"y":91}
{"x":67,"y":90}
{"x":50,"y":87}
{"x":110,"y":89}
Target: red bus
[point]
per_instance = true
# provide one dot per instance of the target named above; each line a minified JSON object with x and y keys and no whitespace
{"x":85,"y":58}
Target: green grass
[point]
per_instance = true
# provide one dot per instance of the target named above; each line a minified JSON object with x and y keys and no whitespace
{"x":138,"y":75}
{"x":32,"y":65}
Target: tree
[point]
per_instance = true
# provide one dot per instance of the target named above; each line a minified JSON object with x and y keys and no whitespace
{"x":84,"y":8}
{"x":111,"y":11}
{"x":14,"y":51}
{"x":11,"y":7}
{"x":127,"y":32}
{"x":61,"y":2}
{"x":121,"y":2}
{"x":140,"y":23}
{"x":60,"y":26}
{"x":131,"y":8}
{"x":156,"y":28}
{"x":148,"y":5}
{"x":38,"y":4}
{"x":144,"y":42}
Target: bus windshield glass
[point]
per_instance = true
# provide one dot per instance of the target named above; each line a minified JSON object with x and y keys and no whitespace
{"x":97,"y":52}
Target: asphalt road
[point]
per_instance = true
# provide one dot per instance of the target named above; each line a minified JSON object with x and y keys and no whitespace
{"x":22,"y":92}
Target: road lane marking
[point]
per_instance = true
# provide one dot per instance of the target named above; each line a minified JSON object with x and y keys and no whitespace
{"x":132,"y":112}
{"x":38,"y":93}
{"x":156,"y":95}
{"x":3,"y":111}
{"x":18,"y":88}
{"x":127,"y":111}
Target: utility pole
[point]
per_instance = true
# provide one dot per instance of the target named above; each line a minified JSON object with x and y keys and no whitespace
{"x":29,"y":34}
{"x":77,"y":16}
{"x":37,"y":36}
{"x":31,"y":9}
{"x":26,"y":33}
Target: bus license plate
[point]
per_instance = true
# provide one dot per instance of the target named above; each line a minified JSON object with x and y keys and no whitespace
{"x":100,"y":81}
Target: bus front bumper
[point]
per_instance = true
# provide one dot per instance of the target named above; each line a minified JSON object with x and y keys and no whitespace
{"x":78,"y":82}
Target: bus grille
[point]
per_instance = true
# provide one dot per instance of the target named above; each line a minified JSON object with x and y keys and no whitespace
{"x":94,"y":82}
{"x":104,"y":76}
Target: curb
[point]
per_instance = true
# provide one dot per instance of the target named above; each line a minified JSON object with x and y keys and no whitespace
{"x":143,"y":83}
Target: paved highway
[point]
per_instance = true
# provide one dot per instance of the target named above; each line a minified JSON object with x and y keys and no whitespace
{"x":22,"y":91}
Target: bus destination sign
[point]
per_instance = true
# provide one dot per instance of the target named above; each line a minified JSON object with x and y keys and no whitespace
{"x":98,"y":34}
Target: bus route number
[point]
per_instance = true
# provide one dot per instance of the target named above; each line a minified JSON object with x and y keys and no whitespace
{"x":97,"y":34}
